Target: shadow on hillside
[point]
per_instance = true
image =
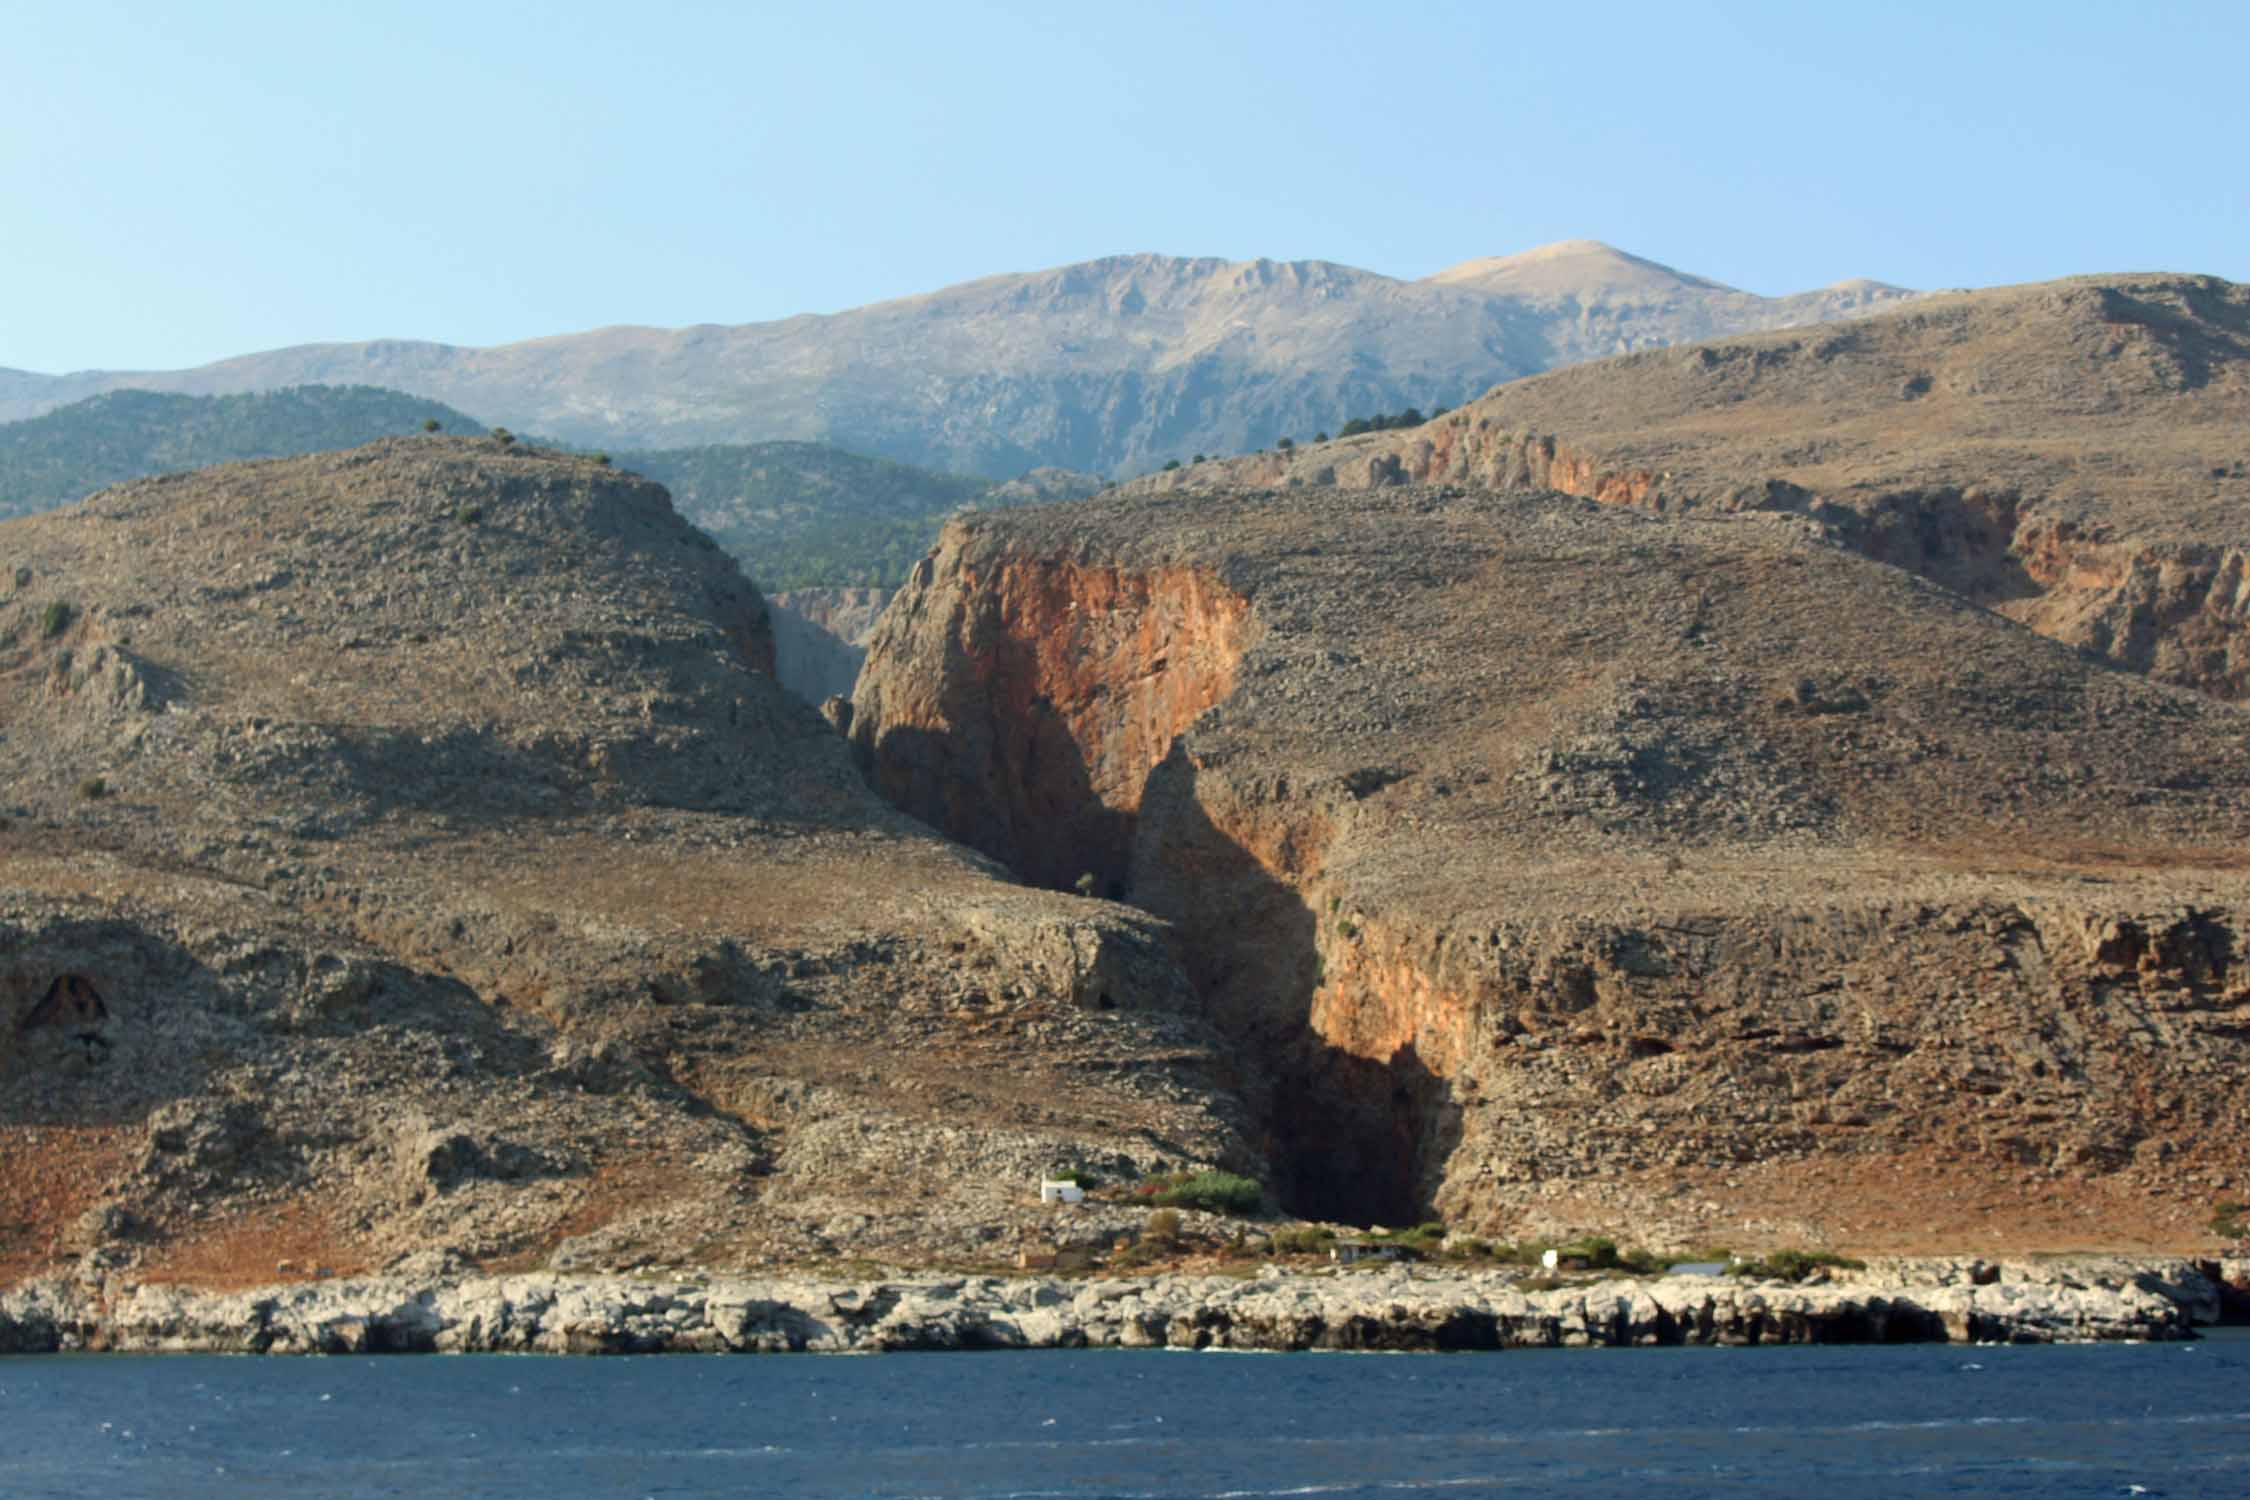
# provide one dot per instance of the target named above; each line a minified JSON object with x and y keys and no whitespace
{"x":1029,"y":802}
{"x":1351,"y":1139}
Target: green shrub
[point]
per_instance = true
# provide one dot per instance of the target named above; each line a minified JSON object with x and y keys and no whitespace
{"x":1170,"y":464}
{"x":1303,"y":1239}
{"x":1794,"y":1265}
{"x":2228,"y":1219}
{"x":1598,"y":1251}
{"x":56,"y":619}
{"x":1214,"y":1192}
{"x":432,"y":424}
{"x":503,"y":436}
{"x":1422,"y":1236}
{"x":1163,"y":1227}
{"x":601,"y":460}
{"x":93,"y":788}
{"x":469,"y":515}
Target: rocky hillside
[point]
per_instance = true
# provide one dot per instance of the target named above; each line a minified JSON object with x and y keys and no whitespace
{"x":408,"y":855}
{"x":1111,"y":366}
{"x":129,"y":434}
{"x":2074,"y":455}
{"x":1559,"y":866}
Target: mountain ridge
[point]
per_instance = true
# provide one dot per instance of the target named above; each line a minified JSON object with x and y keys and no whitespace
{"x":1112,"y":365}
{"x":2067,"y":453}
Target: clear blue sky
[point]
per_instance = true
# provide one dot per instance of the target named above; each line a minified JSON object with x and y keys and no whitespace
{"x":187,"y":181}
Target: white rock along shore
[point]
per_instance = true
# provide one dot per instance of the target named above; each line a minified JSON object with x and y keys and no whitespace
{"x":1392,"y":1309}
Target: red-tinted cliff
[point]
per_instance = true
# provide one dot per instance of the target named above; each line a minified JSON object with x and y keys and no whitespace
{"x":1554,"y":865}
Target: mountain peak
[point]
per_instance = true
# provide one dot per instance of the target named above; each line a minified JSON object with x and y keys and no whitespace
{"x":1581,"y":268}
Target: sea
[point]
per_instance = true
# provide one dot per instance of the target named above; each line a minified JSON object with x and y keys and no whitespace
{"x":1828,"y":1423}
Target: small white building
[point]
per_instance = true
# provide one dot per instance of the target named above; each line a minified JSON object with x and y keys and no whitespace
{"x":1054,"y":1191}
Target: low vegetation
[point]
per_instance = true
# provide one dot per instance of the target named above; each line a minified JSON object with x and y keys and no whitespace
{"x":1303,"y":1239}
{"x":1212,"y":1192}
{"x":1382,"y":422}
{"x":1794,"y":1265}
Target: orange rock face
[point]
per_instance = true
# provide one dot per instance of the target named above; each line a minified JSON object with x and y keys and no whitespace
{"x":1561,"y":867}
{"x":1061,"y":685}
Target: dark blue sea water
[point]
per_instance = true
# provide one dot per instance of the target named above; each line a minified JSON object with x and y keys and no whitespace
{"x":1829,"y":1423}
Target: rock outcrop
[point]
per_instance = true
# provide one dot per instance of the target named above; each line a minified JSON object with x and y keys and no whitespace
{"x":1555,"y":866}
{"x":1395,"y":1310}
{"x":2070,"y":454}
{"x":409,"y":850}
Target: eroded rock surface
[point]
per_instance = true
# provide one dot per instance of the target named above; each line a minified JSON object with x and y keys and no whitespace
{"x":1395,"y":1310}
{"x":1559,"y":866}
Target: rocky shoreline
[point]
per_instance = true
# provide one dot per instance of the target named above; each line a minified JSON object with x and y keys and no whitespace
{"x":1397,"y":1308}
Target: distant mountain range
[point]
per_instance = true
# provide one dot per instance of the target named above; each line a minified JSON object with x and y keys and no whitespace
{"x":1112,"y":366}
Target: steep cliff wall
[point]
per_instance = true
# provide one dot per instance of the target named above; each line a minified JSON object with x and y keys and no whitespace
{"x":1045,"y":691}
{"x":1555,"y":866}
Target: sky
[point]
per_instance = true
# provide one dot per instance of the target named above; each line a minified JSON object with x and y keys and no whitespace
{"x":189,"y":182}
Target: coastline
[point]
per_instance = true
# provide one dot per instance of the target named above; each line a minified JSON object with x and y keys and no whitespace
{"x":1396,"y":1309}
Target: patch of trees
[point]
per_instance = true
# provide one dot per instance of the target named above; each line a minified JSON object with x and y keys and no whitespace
{"x":801,"y":515}
{"x":1388,"y":421}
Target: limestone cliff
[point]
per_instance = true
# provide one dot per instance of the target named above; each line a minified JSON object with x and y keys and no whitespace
{"x":1558,"y":865}
{"x":2070,"y":455}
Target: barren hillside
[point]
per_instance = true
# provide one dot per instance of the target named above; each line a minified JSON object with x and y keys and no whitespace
{"x":407,"y":851}
{"x":2075,"y":455}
